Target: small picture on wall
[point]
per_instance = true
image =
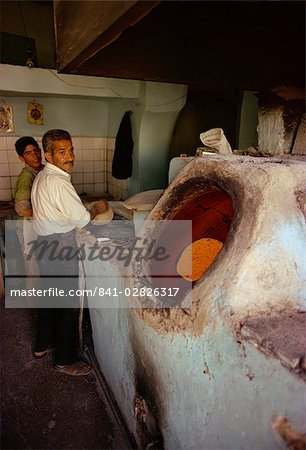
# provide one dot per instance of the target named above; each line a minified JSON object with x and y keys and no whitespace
{"x":6,"y":117}
{"x":35,"y":113}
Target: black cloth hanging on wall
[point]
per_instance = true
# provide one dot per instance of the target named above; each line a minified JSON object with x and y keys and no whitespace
{"x":122,"y":161}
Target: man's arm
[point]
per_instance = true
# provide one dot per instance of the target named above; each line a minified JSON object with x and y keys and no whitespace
{"x":24,"y":183}
{"x":70,"y":205}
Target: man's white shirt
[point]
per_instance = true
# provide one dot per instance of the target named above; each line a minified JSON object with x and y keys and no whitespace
{"x":57,"y":208}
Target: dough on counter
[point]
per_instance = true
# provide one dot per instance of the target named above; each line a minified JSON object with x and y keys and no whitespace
{"x":103,"y":218}
{"x":143,"y":201}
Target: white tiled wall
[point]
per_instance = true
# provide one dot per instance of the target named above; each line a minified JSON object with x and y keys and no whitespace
{"x":117,"y":188}
{"x":10,"y":167}
{"x":90,"y":160}
{"x":91,"y":172}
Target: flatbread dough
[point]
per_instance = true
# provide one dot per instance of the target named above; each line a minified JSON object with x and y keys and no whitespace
{"x":197,"y":258}
{"x":103,"y":218}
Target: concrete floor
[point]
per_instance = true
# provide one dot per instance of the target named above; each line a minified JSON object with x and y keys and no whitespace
{"x":43,"y":409}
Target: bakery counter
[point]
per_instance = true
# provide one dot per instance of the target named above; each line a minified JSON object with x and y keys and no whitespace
{"x":103,"y":278}
{"x":104,"y":250}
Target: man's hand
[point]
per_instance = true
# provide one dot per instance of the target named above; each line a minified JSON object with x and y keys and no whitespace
{"x":26,"y":213}
{"x":24,"y":208}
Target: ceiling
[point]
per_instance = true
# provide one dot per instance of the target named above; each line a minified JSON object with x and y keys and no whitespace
{"x":252,"y":45}
{"x":27,"y":25}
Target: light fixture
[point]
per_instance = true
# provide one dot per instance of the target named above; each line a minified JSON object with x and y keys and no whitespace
{"x":29,"y":61}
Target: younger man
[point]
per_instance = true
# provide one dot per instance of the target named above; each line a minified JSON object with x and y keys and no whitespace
{"x":28,"y":152}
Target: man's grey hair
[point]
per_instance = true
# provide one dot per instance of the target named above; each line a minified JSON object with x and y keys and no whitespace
{"x":54,"y":135}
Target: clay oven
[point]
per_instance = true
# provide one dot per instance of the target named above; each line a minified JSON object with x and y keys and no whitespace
{"x":199,"y":359}
{"x":256,"y":208}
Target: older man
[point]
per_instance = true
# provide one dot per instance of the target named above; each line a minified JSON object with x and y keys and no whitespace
{"x":57,"y":212}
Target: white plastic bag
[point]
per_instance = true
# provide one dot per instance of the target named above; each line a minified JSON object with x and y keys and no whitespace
{"x":215,"y":138}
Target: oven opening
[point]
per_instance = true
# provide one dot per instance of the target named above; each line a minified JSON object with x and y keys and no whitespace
{"x":211,"y":211}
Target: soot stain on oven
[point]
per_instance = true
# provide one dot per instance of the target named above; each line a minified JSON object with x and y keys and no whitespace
{"x":300,"y":195}
{"x":147,"y":405}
